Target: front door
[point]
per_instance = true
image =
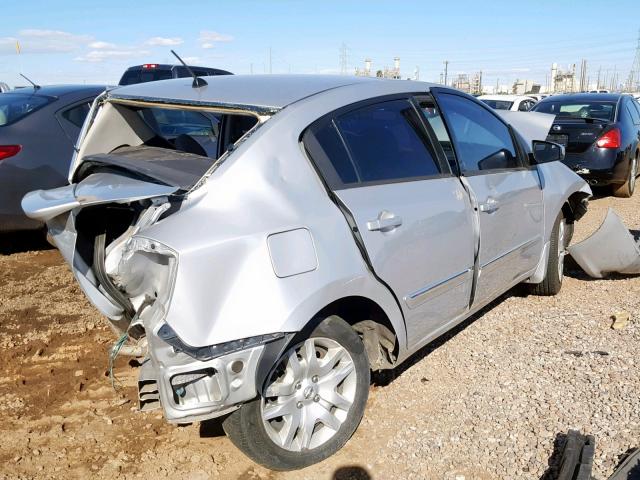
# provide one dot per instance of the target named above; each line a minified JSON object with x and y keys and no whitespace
{"x":412,"y":214}
{"x":505,"y":190}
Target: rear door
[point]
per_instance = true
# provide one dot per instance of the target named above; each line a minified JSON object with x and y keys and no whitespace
{"x":506,"y":192}
{"x":411,"y":214}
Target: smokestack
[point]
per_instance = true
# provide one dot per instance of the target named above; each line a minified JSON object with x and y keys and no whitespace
{"x":367,"y":66}
{"x":396,"y":63}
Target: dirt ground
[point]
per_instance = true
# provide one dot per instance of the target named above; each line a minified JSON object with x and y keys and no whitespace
{"x":60,"y":416}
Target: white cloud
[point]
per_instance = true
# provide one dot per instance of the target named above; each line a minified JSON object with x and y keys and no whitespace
{"x":43,"y":41}
{"x":208,"y":39}
{"x":97,"y":56}
{"x":164,"y":41}
{"x":101,"y":45}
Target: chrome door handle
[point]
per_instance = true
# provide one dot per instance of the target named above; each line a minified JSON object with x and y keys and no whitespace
{"x":490,"y":206}
{"x":386,"y":221}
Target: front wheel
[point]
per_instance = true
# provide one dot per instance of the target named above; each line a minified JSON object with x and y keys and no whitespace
{"x":560,"y":237}
{"x":312,"y":402}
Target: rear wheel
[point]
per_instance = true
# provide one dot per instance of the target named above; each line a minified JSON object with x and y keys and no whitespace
{"x":560,"y":237}
{"x":627,"y":188}
{"x":312,"y":402}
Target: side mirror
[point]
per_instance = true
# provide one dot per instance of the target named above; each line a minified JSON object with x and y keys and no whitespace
{"x":545,"y":152}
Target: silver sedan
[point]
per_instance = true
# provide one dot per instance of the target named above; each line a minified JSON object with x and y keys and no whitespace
{"x":268,"y":241}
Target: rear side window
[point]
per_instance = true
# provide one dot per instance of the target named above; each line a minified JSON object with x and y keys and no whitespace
{"x":386,"y":142}
{"x":633,"y":111}
{"x":498,"y":104}
{"x":483,"y":142}
{"x":77,"y":114}
{"x":14,"y":106}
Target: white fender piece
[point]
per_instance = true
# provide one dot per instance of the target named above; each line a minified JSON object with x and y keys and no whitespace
{"x":611,"y":249}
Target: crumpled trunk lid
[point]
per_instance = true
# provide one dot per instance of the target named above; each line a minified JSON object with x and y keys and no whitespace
{"x":60,"y":209}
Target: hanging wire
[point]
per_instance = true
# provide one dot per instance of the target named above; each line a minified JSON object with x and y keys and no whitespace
{"x":115,"y":350}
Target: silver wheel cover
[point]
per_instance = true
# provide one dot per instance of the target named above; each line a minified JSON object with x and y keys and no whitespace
{"x":562,"y":248}
{"x":309,"y":394}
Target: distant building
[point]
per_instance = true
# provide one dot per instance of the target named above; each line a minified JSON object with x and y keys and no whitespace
{"x":522,"y":87}
{"x":563,"y":81}
{"x":385,"y":73}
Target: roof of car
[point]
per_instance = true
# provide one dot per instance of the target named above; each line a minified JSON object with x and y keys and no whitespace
{"x":60,"y":90}
{"x":266,"y":91}
{"x":606,"y":97}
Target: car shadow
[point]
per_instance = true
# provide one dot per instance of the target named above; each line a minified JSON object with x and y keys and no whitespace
{"x":18,"y":242}
{"x":383,"y":378}
{"x":351,"y":472}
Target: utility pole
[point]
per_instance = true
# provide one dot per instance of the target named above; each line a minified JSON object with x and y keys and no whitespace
{"x":343,"y":59}
{"x":446,"y":68}
{"x":598,"y":84}
{"x":497,"y":84}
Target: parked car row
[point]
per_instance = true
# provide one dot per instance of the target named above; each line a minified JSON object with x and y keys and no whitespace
{"x":339,"y":225}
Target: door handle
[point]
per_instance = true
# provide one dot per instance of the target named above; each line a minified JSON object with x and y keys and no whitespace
{"x":385,"y":222}
{"x":490,"y":206}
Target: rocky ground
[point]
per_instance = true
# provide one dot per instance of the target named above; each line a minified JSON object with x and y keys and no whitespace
{"x":489,"y":401}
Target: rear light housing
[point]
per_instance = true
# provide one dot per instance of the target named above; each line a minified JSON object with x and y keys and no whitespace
{"x":150,"y":65}
{"x":7,"y":151}
{"x":610,"y":139}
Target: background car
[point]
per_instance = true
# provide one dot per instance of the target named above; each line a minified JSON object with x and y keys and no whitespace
{"x":4,"y":87}
{"x":521,"y":103}
{"x":343,"y":224}
{"x":150,"y":72}
{"x":38,"y":130}
{"x":601,"y":135}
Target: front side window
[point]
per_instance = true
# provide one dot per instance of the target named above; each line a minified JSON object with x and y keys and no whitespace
{"x":432,"y":115}
{"x":482,"y":141}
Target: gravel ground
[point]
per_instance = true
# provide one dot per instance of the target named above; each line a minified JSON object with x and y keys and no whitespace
{"x":491,"y":400}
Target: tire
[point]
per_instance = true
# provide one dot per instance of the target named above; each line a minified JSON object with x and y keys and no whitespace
{"x":334,"y":391}
{"x":627,"y":188}
{"x":552,"y":282}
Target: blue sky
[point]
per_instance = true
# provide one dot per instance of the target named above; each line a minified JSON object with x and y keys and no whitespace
{"x":76,"y":41}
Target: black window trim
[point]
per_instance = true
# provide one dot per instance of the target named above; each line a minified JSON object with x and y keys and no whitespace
{"x":525,"y":165}
{"x":337,"y":183}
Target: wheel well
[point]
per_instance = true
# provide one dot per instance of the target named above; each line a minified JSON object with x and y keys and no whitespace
{"x":576,"y":206}
{"x":372,"y":324}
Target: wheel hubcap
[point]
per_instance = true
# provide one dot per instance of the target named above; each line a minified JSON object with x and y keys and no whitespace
{"x":309,"y":394}
{"x":632,"y":175}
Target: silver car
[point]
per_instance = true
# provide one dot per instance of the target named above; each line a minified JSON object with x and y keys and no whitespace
{"x":310,"y":230}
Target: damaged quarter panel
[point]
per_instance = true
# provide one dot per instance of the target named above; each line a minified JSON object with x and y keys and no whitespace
{"x":228,"y":285}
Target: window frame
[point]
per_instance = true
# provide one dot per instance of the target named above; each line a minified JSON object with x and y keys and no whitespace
{"x":523,"y":161}
{"x":631,"y":108}
{"x":323,"y":165}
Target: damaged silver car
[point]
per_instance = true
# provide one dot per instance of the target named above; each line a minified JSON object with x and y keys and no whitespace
{"x":274,"y":239}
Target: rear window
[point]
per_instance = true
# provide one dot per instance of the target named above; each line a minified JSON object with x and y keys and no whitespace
{"x":574,"y":109}
{"x":14,"y":106}
{"x":498,"y":104}
{"x":132,"y":77}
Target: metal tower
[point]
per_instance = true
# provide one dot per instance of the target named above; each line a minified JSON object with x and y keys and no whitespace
{"x":633,"y":84}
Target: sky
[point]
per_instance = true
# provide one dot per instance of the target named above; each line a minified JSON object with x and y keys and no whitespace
{"x":73,"y":41}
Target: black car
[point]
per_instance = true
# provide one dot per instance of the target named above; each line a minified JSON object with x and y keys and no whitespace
{"x":601,"y":135}
{"x":38,"y":130}
{"x":150,"y":72}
